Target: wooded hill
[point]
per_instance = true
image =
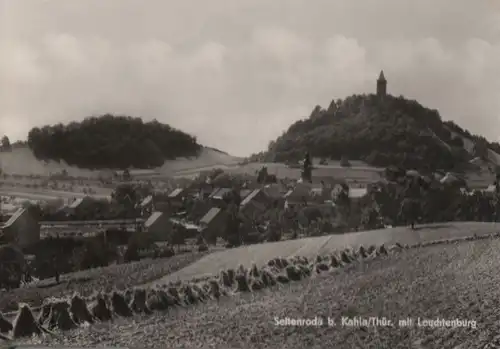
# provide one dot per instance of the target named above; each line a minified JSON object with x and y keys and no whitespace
{"x":110,"y":141}
{"x":381,"y":132}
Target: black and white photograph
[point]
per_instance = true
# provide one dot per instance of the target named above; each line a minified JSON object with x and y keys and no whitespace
{"x":249,"y":174}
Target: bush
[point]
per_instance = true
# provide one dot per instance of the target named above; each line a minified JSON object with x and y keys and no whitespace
{"x":131,"y":253}
{"x":95,"y":253}
{"x":202,"y":248}
{"x":344,"y":162}
{"x":165,"y":252}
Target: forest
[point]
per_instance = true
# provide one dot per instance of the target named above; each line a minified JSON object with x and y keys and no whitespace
{"x":110,"y":141}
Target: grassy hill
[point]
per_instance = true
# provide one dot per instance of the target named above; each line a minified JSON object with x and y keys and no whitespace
{"x":392,"y":131}
{"x":22,"y":161}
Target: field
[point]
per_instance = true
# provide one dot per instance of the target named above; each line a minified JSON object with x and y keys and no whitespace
{"x":311,"y":247}
{"x":21,"y":161}
{"x":449,"y":281}
{"x":107,"y":278}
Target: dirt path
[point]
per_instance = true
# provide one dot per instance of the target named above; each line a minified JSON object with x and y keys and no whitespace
{"x":261,"y":253}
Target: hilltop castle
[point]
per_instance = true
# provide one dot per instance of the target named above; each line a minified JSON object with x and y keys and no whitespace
{"x":381,"y":85}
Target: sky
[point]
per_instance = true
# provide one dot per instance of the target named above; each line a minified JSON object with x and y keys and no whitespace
{"x":237,"y":73}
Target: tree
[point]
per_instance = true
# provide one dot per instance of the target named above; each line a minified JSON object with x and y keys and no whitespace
{"x":343,"y":202}
{"x":344,"y":162}
{"x":12,"y":266}
{"x":126,"y":175}
{"x":177,"y":236}
{"x":262,"y":176}
{"x":6,"y":146}
{"x":127,"y":197}
{"x":232,"y":230}
{"x":307,"y":168}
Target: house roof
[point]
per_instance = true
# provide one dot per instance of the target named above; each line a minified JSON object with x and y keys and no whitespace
{"x":245,"y":192}
{"x":211,"y":214}
{"x":357,"y":192}
{"x":176,"y":192}
{"x":491,"y":189}
{"x":250,"y":197}
{"x":76,"y":203}
{"x":220,"y":193}
{"x":153,"y":218}
{"x":214,"y":192}
{"x":147,"y":200}
{"x":316,"y":191}
{"x":15,"y":217}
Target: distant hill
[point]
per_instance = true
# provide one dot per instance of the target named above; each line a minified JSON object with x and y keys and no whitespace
{"x":98,"y":145}
{"x":110,"y":141}
{"x":382,"y":132}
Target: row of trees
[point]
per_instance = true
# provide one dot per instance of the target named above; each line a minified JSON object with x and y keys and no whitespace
{"x":110,"y":141}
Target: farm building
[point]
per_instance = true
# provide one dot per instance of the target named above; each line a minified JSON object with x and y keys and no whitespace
{"x":22,"y":229}
{"x":158,"y":225}
{"x":212,"y":224}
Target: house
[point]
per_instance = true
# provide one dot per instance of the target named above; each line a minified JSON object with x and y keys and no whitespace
{"x":79,"y":206}
{"x":275,"y":190}
{"x":176,"y":197}
{"x":146,"y":206}
{"x":212,"y":224}
{"x":217,"y":196}
{"x":298,"y":196}
{"x":255,"y":203}
{"x":147,"y":201}
{"x":22,"y":229}
{"x":205,"y":190}
{"x":244,"y":193}
{"x":158,"y":225}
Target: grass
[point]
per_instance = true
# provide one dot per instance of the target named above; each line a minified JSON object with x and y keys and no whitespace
{"x":448,"y":281}
{"x":21,"y":161}
{"x":310,"y":247}
{"x":86,"y":282}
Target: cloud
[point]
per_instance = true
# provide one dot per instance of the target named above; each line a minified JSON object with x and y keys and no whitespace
{"x":236,"y":74}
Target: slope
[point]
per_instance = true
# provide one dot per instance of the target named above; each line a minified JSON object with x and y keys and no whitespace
{"x":22,"y":161}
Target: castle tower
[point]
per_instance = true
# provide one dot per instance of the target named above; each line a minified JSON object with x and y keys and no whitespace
{"x":381,"y":85}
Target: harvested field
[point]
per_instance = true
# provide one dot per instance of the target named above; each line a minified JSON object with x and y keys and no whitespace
{"x":309,"y":247}
{"x":447,"y":281}
{"x":88,"y":281}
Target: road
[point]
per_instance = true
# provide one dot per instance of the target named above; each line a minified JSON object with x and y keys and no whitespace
{"x":31,"y":194}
